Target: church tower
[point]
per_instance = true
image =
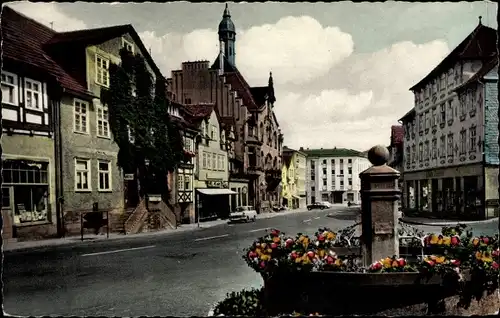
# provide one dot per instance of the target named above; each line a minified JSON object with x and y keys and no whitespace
{"x":227,"y":37}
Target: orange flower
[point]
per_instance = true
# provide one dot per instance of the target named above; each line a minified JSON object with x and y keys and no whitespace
{"x":440,"y":260}
{"x":276,"y":239}
{"x":395,"y":264}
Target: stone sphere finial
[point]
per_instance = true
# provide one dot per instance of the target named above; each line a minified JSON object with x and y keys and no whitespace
{"x":378,"y":155}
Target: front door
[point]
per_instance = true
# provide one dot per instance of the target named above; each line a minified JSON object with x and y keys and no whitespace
{"x":131,"y":193}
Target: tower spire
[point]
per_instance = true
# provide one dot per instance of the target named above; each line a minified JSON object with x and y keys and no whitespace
{"x":227,"y":36}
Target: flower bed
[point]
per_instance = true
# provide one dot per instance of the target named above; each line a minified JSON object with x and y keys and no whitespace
{"x":308,"y":274}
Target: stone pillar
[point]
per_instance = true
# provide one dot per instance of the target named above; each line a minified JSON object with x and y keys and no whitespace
{"x":379,"y":195}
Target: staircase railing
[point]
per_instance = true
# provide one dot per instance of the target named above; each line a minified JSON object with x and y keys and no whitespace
{"x":133,"y":223}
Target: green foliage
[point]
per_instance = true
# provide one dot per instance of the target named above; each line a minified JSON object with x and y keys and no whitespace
{"x":242,"y":303}
{"x":157,"y":145}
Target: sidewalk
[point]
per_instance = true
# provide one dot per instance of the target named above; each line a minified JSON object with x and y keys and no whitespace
{"x":441,"y":222}
{"x":90,"y":238}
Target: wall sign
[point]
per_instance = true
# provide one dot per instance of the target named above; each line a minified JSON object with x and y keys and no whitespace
{"x":128,"y":176}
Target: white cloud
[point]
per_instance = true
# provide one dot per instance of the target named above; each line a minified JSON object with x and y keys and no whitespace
{"x":327,"y":95}
{"x":296,"y":49}
{"x":47,"y":13}
{"x":379,"y":95}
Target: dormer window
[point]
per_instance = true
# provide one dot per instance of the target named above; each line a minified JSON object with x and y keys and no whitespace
{"x":129,"y":46}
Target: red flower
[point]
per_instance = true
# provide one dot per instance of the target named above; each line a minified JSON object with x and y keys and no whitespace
{"x":455,"y":240}
{"x":321,"y":238}
{"x":495,"y":265}
{"x":376,"y":266}
{"x":455,"y":262}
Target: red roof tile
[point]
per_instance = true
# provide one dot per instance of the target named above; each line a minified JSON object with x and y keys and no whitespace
{"x":479,"y":44}
{"x":397,"y":135}
{"x":23,"y":41}
{"x":199,"y":110}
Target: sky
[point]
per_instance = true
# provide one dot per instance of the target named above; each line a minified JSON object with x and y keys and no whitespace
{"x":342,"y":71}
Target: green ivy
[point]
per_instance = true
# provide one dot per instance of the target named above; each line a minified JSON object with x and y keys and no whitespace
{"x":242,"y":303}
{"x":156,"y":140}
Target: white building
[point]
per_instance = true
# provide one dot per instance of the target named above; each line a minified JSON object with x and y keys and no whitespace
{"x":333,"y":175}
{"x":445,"y":147}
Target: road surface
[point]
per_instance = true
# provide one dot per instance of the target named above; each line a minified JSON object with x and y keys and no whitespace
{"x":180,"y":274}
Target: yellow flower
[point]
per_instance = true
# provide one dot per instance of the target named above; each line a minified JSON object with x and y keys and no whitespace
{"x":269,"y":251}
{"x":387,"y":262}
{"x":479,"y":255}
{"x":487,"y":258}
{"x":258,"y":251}
{"x":298,"y":260}
{"x":330,"y":236}
{"x":440,"y":260}
{"x":434,"y":239}
{"x":263,"y":245}
{"x":338,"y":262}
{"x":440,"y":241}
{"x":475,"y":241}
{"x":321,"y":253}
{"x":301,"y":238}
{"x":447,"y":240}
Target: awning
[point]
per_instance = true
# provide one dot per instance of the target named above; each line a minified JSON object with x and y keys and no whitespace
{"x":216,"y":191}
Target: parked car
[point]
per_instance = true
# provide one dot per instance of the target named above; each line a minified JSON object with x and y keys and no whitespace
{"x":278,"y":208}
{"x":326,"y":204}
{"x":318,"y":205}
{"x":243,"y":213}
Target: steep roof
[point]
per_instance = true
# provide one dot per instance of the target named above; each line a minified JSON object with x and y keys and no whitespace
{"x":199,"y":110}
{"x":335,"y":152}
{"x":397,"y":135}
{"x":485,"y":69}
{"x":409,"y":115}
{"x":287,"y":158}
{"x":479,"y":44}
{"x":23,"y":42}
{"x":100,"y":35}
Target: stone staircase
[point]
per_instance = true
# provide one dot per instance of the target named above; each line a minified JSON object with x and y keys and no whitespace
{"x":136,"y":220}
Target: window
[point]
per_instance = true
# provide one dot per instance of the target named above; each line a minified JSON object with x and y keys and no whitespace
{"x":187,"y":183}
{"x":313,"y":189}
{"x":341,"y":182}
{"x":324,"y":182}
{"x":204,"y":164}
{"x":324,"y":171}
{"x":131,"y":136}
{"x":312,"y":164}
{"x":442,"y":84}
{"x":180,"y":182}
{"x":104,"y":171}
{"x":442,"y":146}
{"x":434,"y":148}
{"x":9,"y":88}
{"x":472,"y":137}
{"x":450,"y":110}
{"x":450,"y":145}
{"x":426,"y":150}
{"x":33,"y":94}
{"x":414,"y":153}
{"x":349,"y":170}
{"x":102,"y":121}
{"x":463,"y":141}
{"x":80,"y":116}
{"x":127,"y":45}
{"x":341,"y":161}
{"x":213,"y":135}
{"x":463,"y":106}
{"x":221,"y":162}
{"x":101,"y":71}
{"x":427,"y":120}
{"x":408,"y":155}
{"x":434,"y":117}
{"x":342,"y":171}
{"x":209,"y":161}
{"x":333,"y":171}
{"x":324,"y":161}
{"x":333,"y":162}
{"x":82,"y":174}
{"x":313,"y":199}
{"x":187,"y":101}
{"x":443,"y":114}
{"x":214,"y":162}
{"x":349,"y":181}
{"x":313,"y":178}
{"x":349,"y":160}
{"x":188,"y":144}
{"x":420,"y":122}
{"x":420,"y":152}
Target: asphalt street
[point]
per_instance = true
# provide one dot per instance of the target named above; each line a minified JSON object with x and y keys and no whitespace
{"x":180,"y":274}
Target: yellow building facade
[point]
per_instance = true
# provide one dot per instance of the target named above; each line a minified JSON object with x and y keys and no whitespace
{"x":293,"y":179}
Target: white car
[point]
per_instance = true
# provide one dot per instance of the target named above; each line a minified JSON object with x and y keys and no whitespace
{"x":326,"y":204}
{"x":243,"y":213}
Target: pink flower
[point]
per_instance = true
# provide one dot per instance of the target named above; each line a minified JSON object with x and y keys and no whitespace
{"x":495,"y":265}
